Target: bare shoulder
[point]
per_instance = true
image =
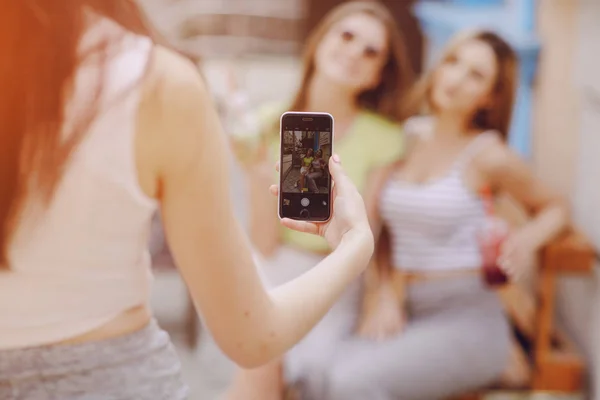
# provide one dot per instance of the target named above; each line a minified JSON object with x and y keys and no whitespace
{"x":174,"y":80}
{"x":497,"y":158}
{"x":175,"y":105}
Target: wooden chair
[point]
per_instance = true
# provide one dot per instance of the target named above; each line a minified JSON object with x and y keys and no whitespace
{"x":556,"y":365}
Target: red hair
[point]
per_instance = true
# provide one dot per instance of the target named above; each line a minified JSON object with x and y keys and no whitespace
{"x":39,"y":41}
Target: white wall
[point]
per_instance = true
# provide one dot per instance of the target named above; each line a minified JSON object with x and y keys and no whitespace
{"x":170,"y":16}
{"x":587,"y":175}
{"x":579,"y":298}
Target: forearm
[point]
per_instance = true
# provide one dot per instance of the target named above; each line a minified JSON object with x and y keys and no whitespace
{"x":547,"y":224}
{"x":264,"y":227}
{"x":298,"y":305}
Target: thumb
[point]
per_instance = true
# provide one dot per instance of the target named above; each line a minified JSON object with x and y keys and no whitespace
{"x":338,"y":175}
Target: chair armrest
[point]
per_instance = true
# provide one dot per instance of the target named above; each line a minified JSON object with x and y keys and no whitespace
{"x":570,"y":253}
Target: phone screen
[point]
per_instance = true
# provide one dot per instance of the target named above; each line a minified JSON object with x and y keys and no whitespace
{"x":305,"y":182}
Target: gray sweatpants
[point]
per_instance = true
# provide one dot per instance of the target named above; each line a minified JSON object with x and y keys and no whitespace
{"x":456,"y":340}
{"x":139,"y":366}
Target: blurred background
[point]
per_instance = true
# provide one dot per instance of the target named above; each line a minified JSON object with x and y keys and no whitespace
{"x":556,"y":126}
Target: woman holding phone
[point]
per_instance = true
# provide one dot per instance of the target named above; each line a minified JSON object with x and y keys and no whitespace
{"x":356,"y":69}
{"x":113,"y":127}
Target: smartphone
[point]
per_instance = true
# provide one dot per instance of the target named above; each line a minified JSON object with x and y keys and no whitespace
{"x":306,"y":144}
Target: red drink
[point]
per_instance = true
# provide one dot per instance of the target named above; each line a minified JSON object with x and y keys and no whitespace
{"x":493,"y":233}
{"x":494,"y":275}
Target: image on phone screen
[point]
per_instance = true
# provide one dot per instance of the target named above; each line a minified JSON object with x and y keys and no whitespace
{"x":305,"y":182}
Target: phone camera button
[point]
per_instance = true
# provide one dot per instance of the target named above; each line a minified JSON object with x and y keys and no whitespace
{"x":304,"y":214}
{"x":305,"y":202}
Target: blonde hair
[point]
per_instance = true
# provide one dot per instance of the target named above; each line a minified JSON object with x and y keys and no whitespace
{"x":498,"y":116}
{"x":396,"y":75}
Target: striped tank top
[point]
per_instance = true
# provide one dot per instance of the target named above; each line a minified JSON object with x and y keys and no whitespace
{"x":434,"y":225}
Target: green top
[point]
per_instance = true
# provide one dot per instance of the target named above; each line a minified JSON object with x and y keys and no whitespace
{"x":372,"y":142}
{"x":307,"y":161}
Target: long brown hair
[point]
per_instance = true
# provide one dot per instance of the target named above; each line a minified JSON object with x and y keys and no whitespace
{"x":497,"y":117}
{"x":386,"y":98}
{"x":39,"y":41}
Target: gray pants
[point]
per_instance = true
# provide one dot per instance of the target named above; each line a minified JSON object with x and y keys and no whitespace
{"x":139,"y":366}
{"x":456,"y":340}
{"x":311,"y":177}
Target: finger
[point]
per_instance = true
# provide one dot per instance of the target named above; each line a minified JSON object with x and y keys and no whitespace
{"x":274,"y":189}
{"x":277,"y":166}
{"x":507,"y":247}
{"x":300,"y":226}
{"x":509,"y":267}
{"x":338,"y":175}
{"x":334,"y":195}
{"x":503,"y":263}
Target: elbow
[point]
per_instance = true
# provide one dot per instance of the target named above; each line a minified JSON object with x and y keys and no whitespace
{"x":249,"y":343}
{"x":559,"y":207}
{"x":551,"y":220}
{"x":250,"y":362}
{"x":249,"y":353}
{"x":243,"y":359}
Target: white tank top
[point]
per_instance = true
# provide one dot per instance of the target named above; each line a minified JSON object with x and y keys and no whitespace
{"x":434,"y":225}
{"x":84,"y":259}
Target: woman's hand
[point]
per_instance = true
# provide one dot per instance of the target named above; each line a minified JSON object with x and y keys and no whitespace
{"x":349,"y":213}
{"x":509,"y":174}
{"x":517,"y":255}
{"x":385,"y":320}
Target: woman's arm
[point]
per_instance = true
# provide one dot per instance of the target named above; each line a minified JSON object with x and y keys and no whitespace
{"x":264,"y":227}
{"x":190,"y":155}
{"x":508,"y":173}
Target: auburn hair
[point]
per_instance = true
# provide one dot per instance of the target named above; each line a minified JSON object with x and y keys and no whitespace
{"x":39,"y":41}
